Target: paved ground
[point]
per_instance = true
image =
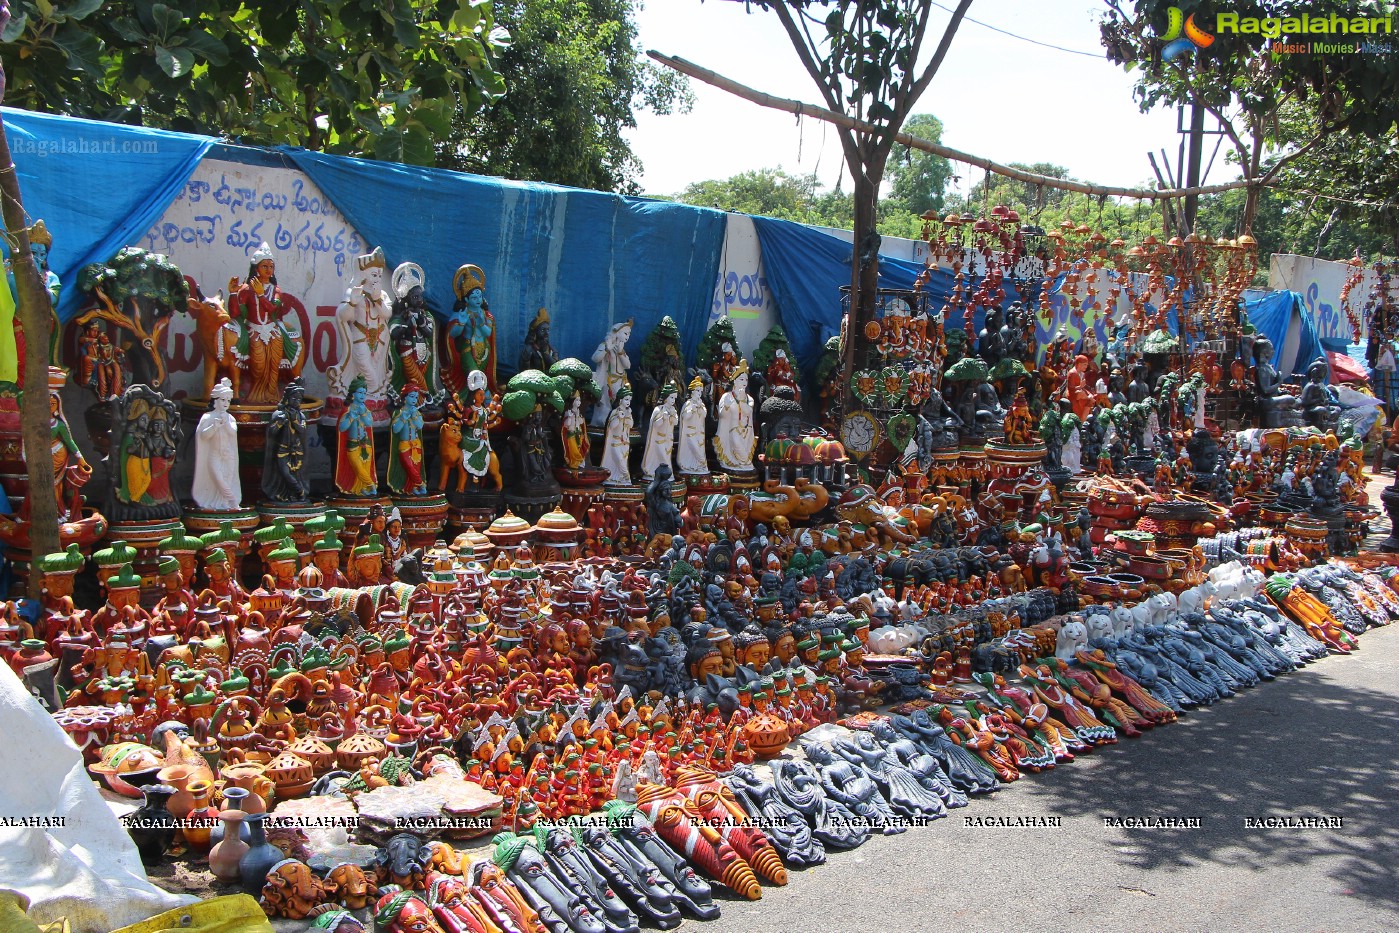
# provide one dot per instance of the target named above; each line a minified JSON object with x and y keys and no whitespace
{"x":1322,"y":742}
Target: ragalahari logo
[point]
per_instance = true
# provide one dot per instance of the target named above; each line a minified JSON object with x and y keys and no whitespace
{"x":1182,"y":35}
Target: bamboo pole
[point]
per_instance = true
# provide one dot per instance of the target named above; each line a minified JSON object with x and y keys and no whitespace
{"x":811,"y":110}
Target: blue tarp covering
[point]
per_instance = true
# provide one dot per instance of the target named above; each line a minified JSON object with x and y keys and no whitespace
{"x":805,"y":269}
{"x":1273,"y":316}
{"x":97,"y":186}
{"x":592,"y":259}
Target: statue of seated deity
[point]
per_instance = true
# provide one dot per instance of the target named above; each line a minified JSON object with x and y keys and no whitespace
{"x":1319,"y":406}
{"x":1276,"y":408}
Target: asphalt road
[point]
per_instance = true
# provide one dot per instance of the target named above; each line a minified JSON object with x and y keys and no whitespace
{"x":1321,"y":743}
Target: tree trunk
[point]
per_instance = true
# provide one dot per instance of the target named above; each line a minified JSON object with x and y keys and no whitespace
{"x":35,"y":315}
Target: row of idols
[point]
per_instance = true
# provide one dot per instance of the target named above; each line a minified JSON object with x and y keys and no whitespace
{"x":399,"y":367}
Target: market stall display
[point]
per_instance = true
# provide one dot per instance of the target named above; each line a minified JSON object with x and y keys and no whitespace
{"x":743,"y":638}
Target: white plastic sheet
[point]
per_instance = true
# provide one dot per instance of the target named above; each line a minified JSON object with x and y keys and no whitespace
{"x":85,"y":867}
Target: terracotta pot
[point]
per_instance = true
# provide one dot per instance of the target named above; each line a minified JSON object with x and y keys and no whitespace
{"x":291,"y":774}
{"x":314,"y":750}
{"x":233,"y":798}
{"x":178,"y":777}
{"x":352,"y":752}
{"x":201,"y":819}
{"x":766,"y":735}
{"x":252,"y":778}
{"x":224,"y":857}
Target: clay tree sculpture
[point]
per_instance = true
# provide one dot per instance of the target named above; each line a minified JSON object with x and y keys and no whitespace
{"x":137,"y":291}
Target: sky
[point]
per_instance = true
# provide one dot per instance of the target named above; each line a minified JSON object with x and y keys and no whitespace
{"x":998,"y":97}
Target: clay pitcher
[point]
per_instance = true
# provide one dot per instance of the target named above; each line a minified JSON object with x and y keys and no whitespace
{"x":250,"y":777}
{"x":198,"y":827}
{"x":224,"y":857}
{"x":178,"y":777}
{"x":233,"y":798}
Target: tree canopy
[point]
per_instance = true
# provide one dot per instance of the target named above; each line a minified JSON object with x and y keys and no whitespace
{"x":348,"y":76}
{"x":772,"y":192}
{"x":919,"y":178}
{"x":1326,"y":99}
{"x":575,"y":81}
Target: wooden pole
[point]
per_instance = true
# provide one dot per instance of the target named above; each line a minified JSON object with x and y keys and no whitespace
{"x":914,"y":142}
{"x":33,"y":310}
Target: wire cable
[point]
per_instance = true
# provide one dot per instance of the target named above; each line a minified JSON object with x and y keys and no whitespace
{"x":1047,"y":45}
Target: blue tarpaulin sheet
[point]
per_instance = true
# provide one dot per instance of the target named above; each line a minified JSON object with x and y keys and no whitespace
{"x":591,"y":259}
{"x":1277,"y":314}
{"x":97,"y":186}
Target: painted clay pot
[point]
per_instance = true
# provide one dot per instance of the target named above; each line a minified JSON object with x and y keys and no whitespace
{"x":152,"y":826}
{"x":127,"y":767}
{"x":202,"y":817}
{"x":260,"y":857}
{"x":1150,"y":567}
{"x":225,"y":856}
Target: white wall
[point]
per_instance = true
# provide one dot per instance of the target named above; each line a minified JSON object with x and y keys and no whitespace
{"x":1319,"y":282}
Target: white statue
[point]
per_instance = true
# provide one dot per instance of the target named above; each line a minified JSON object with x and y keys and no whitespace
{"x":624,"y":784}
{"x":650,"y":769}
{"x":216,"y":483}
{"x":690,"y":456}
{"x":1124,"y":621}
{"x":735,"y":438}
{"x":611,"y":365}
{"x":1100,"y":627}
{"x":660,"y":434}
{"x":616,"y":441}
{"x":1071,"y":454}
{"x":1073,"y":637}
{"x":1153,"y":428}
{"x":363,"y":324}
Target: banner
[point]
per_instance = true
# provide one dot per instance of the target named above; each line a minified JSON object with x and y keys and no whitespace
{"x":225,"y":211}
{"x":1319,"y":282}
{"x":741,"y":287}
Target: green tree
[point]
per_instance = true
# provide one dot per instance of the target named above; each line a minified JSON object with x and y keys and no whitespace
{"x":867,"y":60}
{"x":1025,"y":197}
{"x":1046,"y":207}
{"x":1246,"y":87}
{"x":771,"y":192}
{"x":576,"y":82}
{"x":919,"y":178}
{"x":349,"y":76}
{"x":767,"y":192}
